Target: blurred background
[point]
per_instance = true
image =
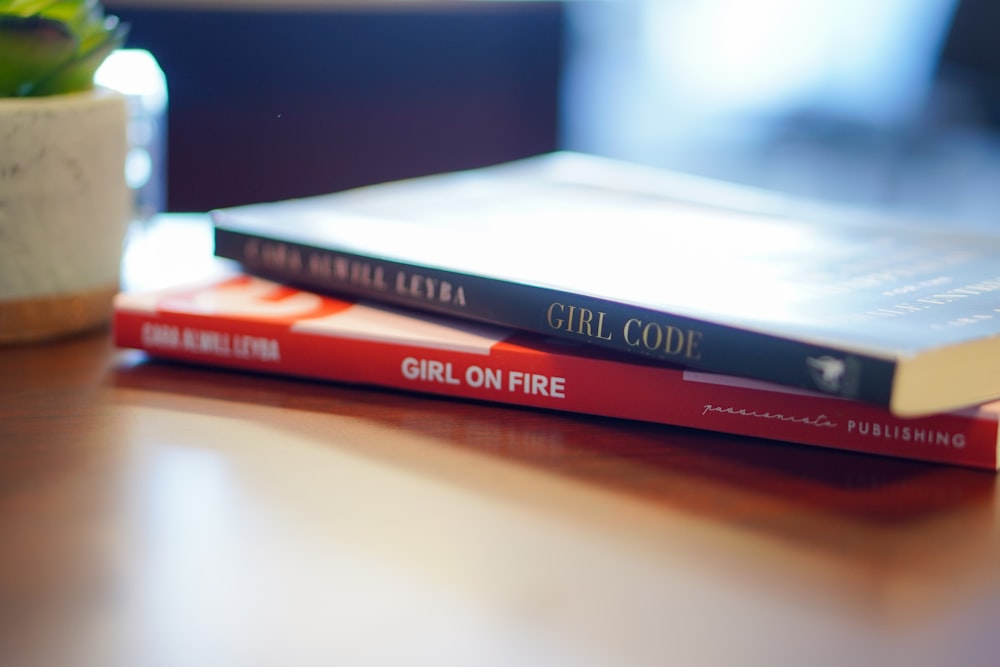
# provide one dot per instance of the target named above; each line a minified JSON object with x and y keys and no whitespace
{"x":891,"y":104}
{"x":883,"y":103}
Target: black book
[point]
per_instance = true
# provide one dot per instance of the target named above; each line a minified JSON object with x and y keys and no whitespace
{"x":670,"y":267}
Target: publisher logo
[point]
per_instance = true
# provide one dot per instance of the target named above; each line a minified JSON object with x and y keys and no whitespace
{"x":828,"y":373}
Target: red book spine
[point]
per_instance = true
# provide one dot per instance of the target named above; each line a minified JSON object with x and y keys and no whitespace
{"x":256,"y":325}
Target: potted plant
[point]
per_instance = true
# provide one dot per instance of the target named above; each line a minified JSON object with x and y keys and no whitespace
{"x":64,"y":202}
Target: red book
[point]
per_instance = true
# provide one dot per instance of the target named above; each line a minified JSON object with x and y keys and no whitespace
{"x":253,"y":324}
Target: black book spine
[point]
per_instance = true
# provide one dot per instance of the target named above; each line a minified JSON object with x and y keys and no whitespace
{"x":625,"y":328}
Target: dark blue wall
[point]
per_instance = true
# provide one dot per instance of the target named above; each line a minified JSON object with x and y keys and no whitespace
{"x":274,"y":104}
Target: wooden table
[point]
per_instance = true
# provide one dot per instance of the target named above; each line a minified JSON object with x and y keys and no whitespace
{"x":164,"y":515}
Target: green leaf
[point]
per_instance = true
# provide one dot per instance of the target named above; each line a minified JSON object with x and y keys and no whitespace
{"x":80,"y":15}
{"x":31,"y":48}
{"x":26,"y":8}
{"x":78,"y":74}
{"x":49,"y":47}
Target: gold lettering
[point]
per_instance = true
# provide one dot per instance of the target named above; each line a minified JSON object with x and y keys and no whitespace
{"x":656,"y":339}
{"x":584,"y":322}
{"x":319,"y":265}
{"x":419,"y":286}
{"x":600,"y":326}
{"x":693,"y":348}
{"x":378,"y":279}
{"x":581,"y":321}
{"x":663,"y":338}
{"x":630,"y":338}
{"x":554,"y":321}
{"x":674,"y":342}
{"x":341,"y":268}
{"x":570,"y":313}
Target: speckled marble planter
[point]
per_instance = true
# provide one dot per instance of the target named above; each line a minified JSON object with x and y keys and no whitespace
{"x":64,"y":211}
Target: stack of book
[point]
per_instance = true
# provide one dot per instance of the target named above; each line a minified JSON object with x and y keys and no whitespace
{"x":581,"y":284}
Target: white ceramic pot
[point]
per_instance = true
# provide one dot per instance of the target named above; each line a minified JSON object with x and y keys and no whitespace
{"x":64,"y":211}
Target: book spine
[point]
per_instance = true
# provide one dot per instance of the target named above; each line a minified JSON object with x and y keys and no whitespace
{"x":621,"y":327}
{"x":536,"y":377}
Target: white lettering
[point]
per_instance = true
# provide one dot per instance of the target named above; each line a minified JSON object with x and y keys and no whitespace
{"x":411,"y":368}
{"x":923,"y":436}
{"x":163,"y":336}
{"x":256,"y":348}
{"x":536,"y":384}
{"x":490,"y":378}
{"x":429,"y":370}
{"x":213,"y":343}
{"x":820,"y":421}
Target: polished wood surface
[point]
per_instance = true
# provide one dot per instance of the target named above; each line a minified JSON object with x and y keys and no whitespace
{"x":156,"y":514}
